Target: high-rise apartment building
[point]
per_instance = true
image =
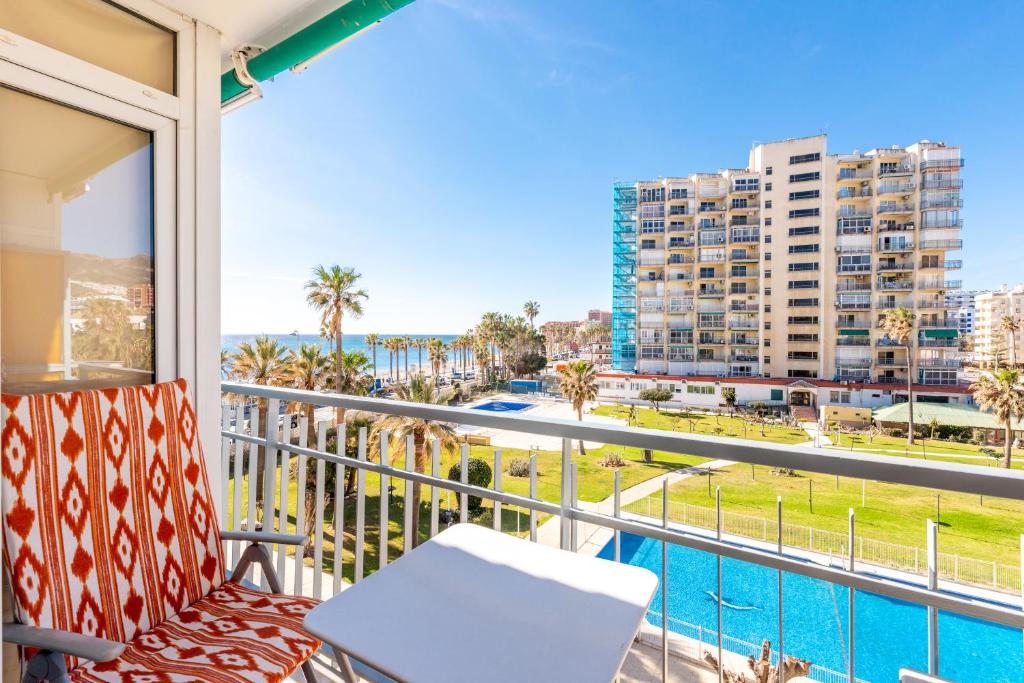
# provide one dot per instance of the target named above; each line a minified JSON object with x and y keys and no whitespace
{"x":785,"y":268}
{"x":961,"y":303}
{"x":991,"y":341}
{"x":596,"y":315}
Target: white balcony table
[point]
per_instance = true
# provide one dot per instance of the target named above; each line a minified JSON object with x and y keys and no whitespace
{"x":473,"y":604}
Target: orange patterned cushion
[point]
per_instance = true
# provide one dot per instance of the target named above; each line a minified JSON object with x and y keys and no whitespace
{"x":109,"y":526}
{"x":233,"y":634}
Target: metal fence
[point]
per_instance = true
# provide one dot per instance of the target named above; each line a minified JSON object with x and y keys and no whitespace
{"x":910,"y":559}
{"x":300,"y":470}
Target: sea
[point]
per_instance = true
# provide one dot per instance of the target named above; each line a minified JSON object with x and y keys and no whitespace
{"x":349,"y":342}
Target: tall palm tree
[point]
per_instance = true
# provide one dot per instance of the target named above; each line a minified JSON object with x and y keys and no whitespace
{"x":1003,"y":394}
{"x":399,"y":427}
{"x":389,"y":345}
{"x":578,"y":383}
{"x":225,"y":363}
{"x":531,"y":309}
{"x":372,"y":340}
{"x":419,"y":344}
{"x":437,"y":355}
{"x":406,"y":344}
{"x":898,"y":325}
{"x":332,"y":291}
{"x":261,"y":361}
{"x":1010,"y":325}
{"x":310,"y":369}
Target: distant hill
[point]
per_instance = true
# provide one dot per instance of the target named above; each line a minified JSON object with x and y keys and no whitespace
{"x":124,"y":272}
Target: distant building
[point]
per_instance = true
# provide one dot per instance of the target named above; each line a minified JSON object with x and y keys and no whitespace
{"x":597,"y":315}
{"x":990,"y":342}
{"x":141,"y":296}
{"x":962,"y":303}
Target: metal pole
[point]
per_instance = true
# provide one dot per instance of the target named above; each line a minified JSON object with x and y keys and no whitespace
{"x":566,"y":493}
{"x":573,"y":524}
{"x":718,"y":563}
{"x":933,"y":584}
{"x":664,"y":584}
{"x":533,"y":496}
{"x":496,"y":510}
{"x":850,"y":608}
{"x":617,"y":511}
{"x":782,"y":659}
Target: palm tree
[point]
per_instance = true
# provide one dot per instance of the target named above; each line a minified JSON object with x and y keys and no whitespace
{"x":406,"y":343}
{"x":389,"y":345}
{"x":1003,"y":394}
{"x":578,"y":383}
{"x":373,"y":341}
{"x":1010,"y":325}
{"x":419,"y":344}
{"x":332,"y":291}
{"x":260,"y":362}
{"x":399,"y":427}
{"x":531,"y":309}
{"x":310,"y":369}
{"x":898,"y":325}
{"x":225,"y":363}
{"x":437,"y":356}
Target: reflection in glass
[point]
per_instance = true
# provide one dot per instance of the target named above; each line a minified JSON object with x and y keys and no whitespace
{"x":76,"y":248}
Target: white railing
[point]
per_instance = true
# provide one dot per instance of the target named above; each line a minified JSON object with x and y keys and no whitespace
{"x":904,"y":558}
{"x":290,"y":460}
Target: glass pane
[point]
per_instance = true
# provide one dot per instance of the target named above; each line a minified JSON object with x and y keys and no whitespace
{"x":97,"y":32}
{"x":76,"y":248}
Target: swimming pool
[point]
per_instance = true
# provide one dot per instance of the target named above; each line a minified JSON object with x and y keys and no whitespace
{"x":503,"y":406}
{"x":890,"y":633}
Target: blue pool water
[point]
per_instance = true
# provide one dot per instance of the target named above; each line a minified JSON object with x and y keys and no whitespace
{"x":503,"y":406}
{"x":890,"y":633}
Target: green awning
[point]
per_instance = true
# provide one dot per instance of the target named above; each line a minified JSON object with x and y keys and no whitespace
{"x":941,"y":334}
{"x":854,"y":333}
{"x":321,"y":35}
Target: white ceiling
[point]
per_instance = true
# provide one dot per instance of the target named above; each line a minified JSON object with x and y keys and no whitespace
{"x":253,"y":22}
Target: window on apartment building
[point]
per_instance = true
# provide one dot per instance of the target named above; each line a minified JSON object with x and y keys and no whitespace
{"x":804,"y":248}
{"x":805,"y":158}
{"x":767,"y":308}
{"x":802,"y":320}
{"x":767,"y":274}
{"x":768,"y":187}
{"x":767,"y":359}
{"x":796,"y":267}
{"x":767,"y":324}
{"x":652,"y":194}
{"x":699,"y":389}
{"x":804,"y":177}
{"x":807,"y":301}
{"x":767,"y":343}
{"x":805,"y":213}
{"x":647,"y":244}
{"x":803,"y":284}
{"x":804,"y":194}
{"x":768,"y":170}
{"x":800,"y":374}
{"x":767,"y":203}
{"x":678,"y":193}
{"x":839,"y":396}
{"x":804,"y":230}
{"x":807,"y":337}
{"x":767,"y":222}
{"x":767,"y":239}
{"x":767,"y":256}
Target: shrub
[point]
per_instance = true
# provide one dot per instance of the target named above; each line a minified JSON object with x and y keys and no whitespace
{"x":611,"y":459}
{"x":655,"y":396}
{"x":479,"y":475}
{"x":518,"y":467}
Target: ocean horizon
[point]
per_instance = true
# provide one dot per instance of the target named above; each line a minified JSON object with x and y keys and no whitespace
{"x":349,"y":342}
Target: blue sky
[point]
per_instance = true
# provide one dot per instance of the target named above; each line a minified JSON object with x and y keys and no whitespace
{"x":461,"y":154}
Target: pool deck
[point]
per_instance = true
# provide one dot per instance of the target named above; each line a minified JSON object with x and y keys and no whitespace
{"x":543,"y":406}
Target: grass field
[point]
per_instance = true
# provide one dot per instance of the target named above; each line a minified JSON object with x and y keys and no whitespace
{"x":946,"y":451}
{"x":697,"y":423}
{"x":988,"y":529}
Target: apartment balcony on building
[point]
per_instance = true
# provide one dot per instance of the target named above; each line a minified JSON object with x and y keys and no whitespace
{"x":887,"y":303}
{"x":941,"y":181}
{"x":895,"y":244}
{"x":895,"y":208}
{"x":854,"y":303}
{"x":948,"y":203}
{"x":857,"y":173}
{"x":853,"y":323}
{"x":943,"y":245}
{"x":855,"y":193}
{"x":891,"y":360}
{"x":952,"y":164}
{"x":745,"y":234}
{"x":744,"y":255}
{"x":680,"y":226}
{"x":853,"y":340}
{"x":937,"y":362}
{"x":856,"y":225}
{"x":863,"y":362}
{"x":895,"y":226}
{"x":859,"y":285}
{"x":890,"y":169}
{"x":894,"y":283}
{"x":681,"y":243}
{"x":888,"y":187}
{"x":742,"y":306}
{"x":745,"y":323}
{"x":852,"y":374}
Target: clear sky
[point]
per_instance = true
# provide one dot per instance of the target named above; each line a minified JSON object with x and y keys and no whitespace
{"x":461,"y":154}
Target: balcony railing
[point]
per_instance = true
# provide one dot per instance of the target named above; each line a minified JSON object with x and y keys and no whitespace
{"x":942,"y":244}
{"x":938,"y":362}
{"x":853,"y":287}
{"x":895,"y":208}
{"x":942,"y":203}
{"x":854,"y":173}
{"x":853,"y":193}
{"x":934,"y":164}
{"x":895,"y":188}
{"x":887,"y":226}
{"x":853,"y":341}
{"x":942,"y":183}
{"x":900,"y":169}
{"x":895,"y":245}
{"x":939,"y":284}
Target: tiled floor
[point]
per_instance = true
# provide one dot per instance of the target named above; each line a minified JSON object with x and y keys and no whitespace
{"x":643,"y":665}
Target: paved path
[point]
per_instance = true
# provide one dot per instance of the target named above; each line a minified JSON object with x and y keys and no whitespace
{"x":818,"y":438}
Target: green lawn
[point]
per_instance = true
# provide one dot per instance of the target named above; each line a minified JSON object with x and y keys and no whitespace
{"x":697,"y":423}
{"x":988,"y":529}
{"x":947,"y":451}
{"x":595,"y":483}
